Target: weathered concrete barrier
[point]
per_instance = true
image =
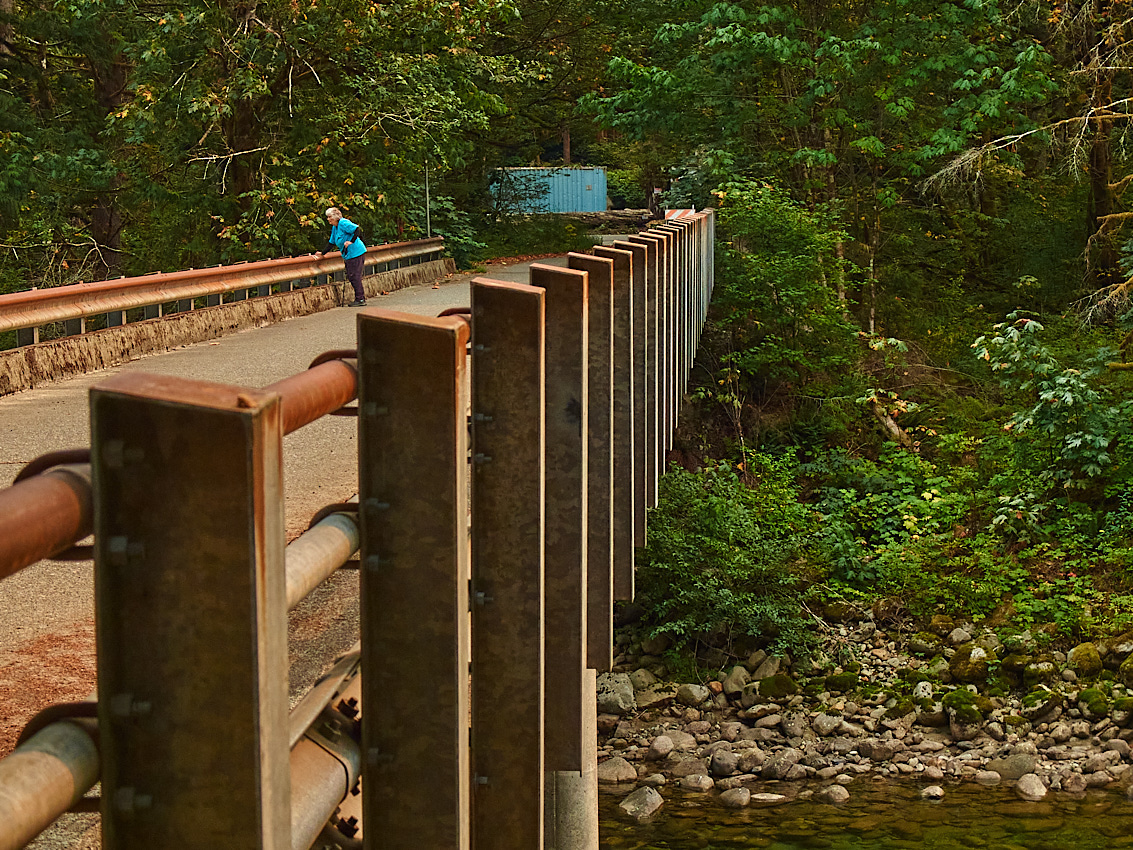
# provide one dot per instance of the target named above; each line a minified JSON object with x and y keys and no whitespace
{"x":36,"y":365}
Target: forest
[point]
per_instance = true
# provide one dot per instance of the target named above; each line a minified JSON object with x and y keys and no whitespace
{"x":913,"y":392}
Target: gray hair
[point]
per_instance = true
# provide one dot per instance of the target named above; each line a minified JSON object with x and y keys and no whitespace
{"x":335,"y":210}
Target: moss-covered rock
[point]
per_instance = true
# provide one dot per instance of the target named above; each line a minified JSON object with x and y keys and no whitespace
{"x":1016,"y":662}
{"x":1041,"y":700}
{"x":1018,"y":725}
{"x":1042,"y":669}
{"x":901,"y":708}
{"x":1093,"y":703}
{"x":777,"y":686}
{"x":1125,"y":672}
{"x":924,"y":643}
{"x":962,"y":705}
{"x":841,"y":682}
{"x":941,"y":625}
{"x":970,"y":663}
{"x":1085,"y":660}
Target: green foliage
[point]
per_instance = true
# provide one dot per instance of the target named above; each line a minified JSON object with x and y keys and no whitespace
{"x":718,"y":564}
{"x":536,"y":234}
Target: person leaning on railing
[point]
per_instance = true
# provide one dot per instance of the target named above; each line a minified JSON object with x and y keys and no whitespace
{"x":346,"y":236}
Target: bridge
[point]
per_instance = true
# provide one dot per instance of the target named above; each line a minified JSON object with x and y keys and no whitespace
{"x":506,"y":452}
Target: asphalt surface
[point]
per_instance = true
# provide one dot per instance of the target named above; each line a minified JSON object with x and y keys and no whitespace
{"x":52,"y":603}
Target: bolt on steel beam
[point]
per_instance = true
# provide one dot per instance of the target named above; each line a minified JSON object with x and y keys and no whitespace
{"x":642,"y":375}
{"x":600,"y":459}
{"x":509,"y":441}
{"x":623,"y":424}
{"x":191,"y":616}
{"x":413,"y":495}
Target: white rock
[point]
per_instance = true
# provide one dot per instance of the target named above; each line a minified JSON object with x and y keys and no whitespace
{"x":1030,"y":788}
{"x":641,"y":803}
{"x":933,"y":792}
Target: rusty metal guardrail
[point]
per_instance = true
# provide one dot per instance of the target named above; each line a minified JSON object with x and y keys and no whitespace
{"x":77,"y":302}
{"x":553,"y":447}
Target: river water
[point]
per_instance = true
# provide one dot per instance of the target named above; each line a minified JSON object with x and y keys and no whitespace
{"x":879,"y":816}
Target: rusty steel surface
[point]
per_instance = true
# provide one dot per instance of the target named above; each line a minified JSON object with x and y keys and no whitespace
{"x":191,"y":614}
{"x":318,"y":552}
{"x":639,"y":438}
{"x":37,"y":307}
{"x":623,"y":425}
{"x":566,"y":514}
{"x":654,"y":307}
{"x":599,"y":459}
{"x":320,"y":390}
{"x":43,"y":778}
{"x":413,"y":498}
{"x":508,"y":436}
{"x":43,"y":516}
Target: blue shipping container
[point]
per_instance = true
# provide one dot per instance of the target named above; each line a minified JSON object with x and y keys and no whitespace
{"x":554,"y":190}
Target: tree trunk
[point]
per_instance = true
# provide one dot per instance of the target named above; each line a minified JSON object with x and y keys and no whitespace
{"x":566,"y":144}
{"x":1103,"y":269}
{"x":7,"y":30}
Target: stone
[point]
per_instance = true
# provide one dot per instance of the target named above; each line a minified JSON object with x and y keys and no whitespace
{"x":766,"y":798}
{"x":642,"y":679}
{"x":1013,"y":767}
{"x":779,"y":764}
{"x":656,"y":645}
{"x":794,"y":725}
{"x":1118,"y":746}
{"x":615,"y":694}
{"x":877,"y":750}
{"x":825,"y":724}
{"x":987,"y":777}
{"x":683,"y":742}
{"x":723,"y":763}
{"x":834,"y":794}
{"x":1040,"y":701}
{"x":970,"y":663}
{"x":932,"y":792}
{"x":655,"y":696}
{"x":616,"y":769}
{"x":922,"y":691}
{"x":751,"y":761}
{"x":777,"y":686}
{"x":840,"y":682}
{"x":1101,"y":761}
{"x":958,"y":636}
{"x":1075,"y":783}
{"x":688,"y":767}
{"x":737,"y":679}
{"x":660,"y":748}
{"x":641,"y":803}
{"x":1092,"y":702}
{"x":1085,"y":660}
{"x":924,"y":643}
{"x":735,"y":798}
{"x":1030,"y":788}
{"x":692,"y":695}
{"x":697,"y":782}
{"x":797,"y":772}
{"x":1099,"y":779}
{"x":769,"y":667}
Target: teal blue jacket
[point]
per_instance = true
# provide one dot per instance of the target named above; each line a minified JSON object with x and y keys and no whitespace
{"x":344,"y":232}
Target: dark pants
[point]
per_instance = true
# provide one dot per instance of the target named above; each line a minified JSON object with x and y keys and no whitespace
{"x":354,"y":275}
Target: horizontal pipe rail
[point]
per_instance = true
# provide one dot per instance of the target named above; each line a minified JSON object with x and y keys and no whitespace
{"x":33,"y":308}
{"x":46,"y":514}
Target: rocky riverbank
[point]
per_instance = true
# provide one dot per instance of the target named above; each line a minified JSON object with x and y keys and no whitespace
{"x":949,"y":704}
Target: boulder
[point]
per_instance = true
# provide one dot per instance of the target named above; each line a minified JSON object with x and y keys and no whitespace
{"x":777,"y":686}
{"x":697,"y":782}
{"x":779,"y":764}
{"x":1085,"y":660}
{"x":735,"y":798}
{"x":794,"y":725}
{"x":615,"y":770}
{"x":834,"y":794}
{"x":641,"y":803}
{"x":1030,"y":788}
{"x":688,"y":767}
{"x":615,"y":694}
{"x":769,"y":667}
{"x":825,"y":724}
{"x":660,"y":748}
{"x":654,"y":696}
{"x":970,"y":663}
{"x":1014,"y":767}
{"x":692,"y":695}
{"x":737,"y":679}
{"x":723,"y":763}
{"x":642,"y":679}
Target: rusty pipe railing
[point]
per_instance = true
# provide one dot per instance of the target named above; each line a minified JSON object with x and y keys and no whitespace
{"x":46,"y":514}
{"x":33,"y":308}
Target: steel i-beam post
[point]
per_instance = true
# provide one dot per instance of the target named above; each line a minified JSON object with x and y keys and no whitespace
{"x":191,"y":615}
{"x":600,"y":460}
{"x":413,"y":495}
{"x":571,"y":820}
{"x":508,"y":451}
{"x":623,"y":424}
{"x":652,"y":384}
{"x":641,"y":369}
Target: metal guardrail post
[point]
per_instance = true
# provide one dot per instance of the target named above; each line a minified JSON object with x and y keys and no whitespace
{"x":624,"y":398}
{"x":652,"y":371}
{"x":599,"y":459}
{"x":508,"y":448}
{"x":641,"y":369}
{"x":413,"y":493}
{"x":655,"y":270}
{"x":192,"y":630}
{"x":570,"y":734}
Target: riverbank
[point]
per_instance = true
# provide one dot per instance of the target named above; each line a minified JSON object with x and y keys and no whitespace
{"x":950,"y":704}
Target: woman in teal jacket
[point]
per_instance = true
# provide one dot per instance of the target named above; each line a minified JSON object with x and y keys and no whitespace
{"x":346,"y":236}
